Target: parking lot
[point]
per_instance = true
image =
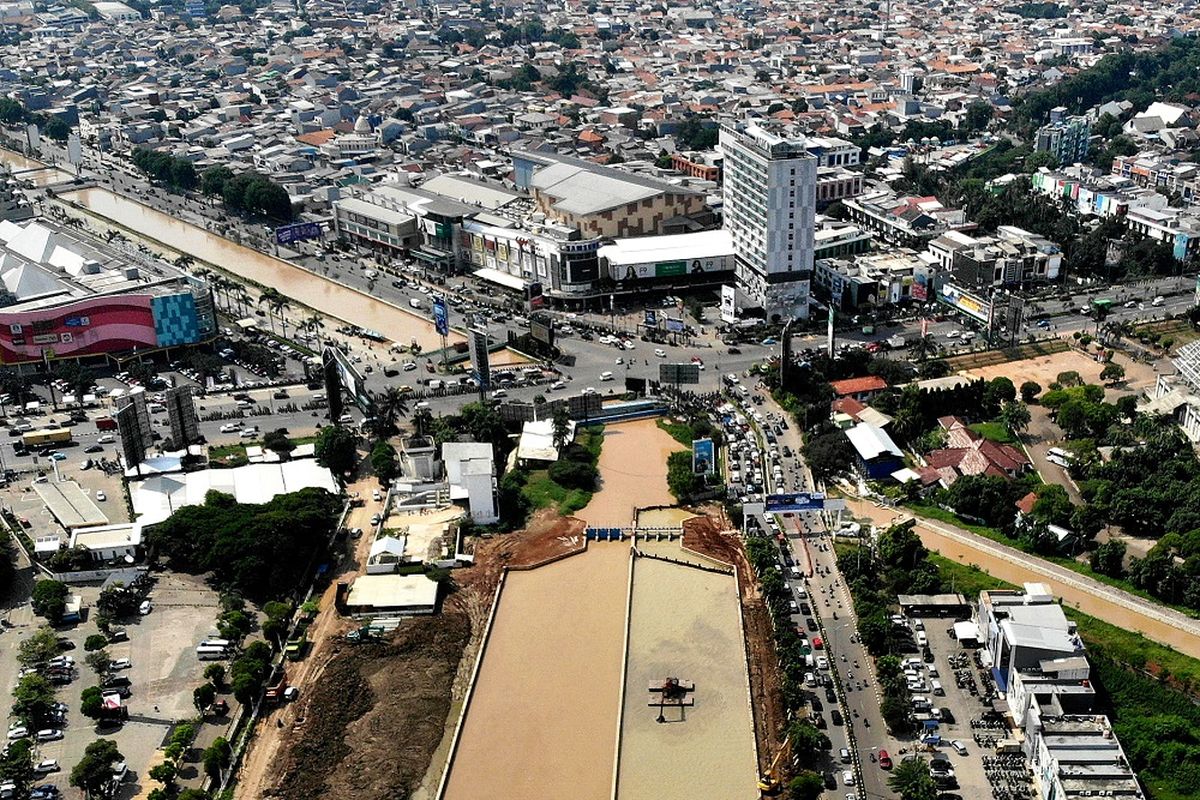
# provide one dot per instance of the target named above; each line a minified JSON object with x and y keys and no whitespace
{"x":966,"y":687}
{"x":164,"y":670}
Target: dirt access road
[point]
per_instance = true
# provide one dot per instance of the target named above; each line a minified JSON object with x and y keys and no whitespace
{"x":259,"y":773}
{"x":1099,"y":600}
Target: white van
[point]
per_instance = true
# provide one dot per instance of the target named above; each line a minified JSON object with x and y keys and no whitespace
{"x":1056,"y":455}
{"x":414,"y":302}
{"x":606,"y":376}
{"x":922,"y":639}
{"x":936,"y":686}
{"x":435,"y":383}
{"x":1158,"y":301}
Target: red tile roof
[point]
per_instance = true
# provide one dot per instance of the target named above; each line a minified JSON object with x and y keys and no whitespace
{"x":867,"y":383}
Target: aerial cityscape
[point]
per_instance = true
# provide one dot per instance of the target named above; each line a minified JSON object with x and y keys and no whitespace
{"x":603,"y":400}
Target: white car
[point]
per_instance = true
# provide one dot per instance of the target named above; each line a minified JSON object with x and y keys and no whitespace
{"x":120,"y":663}
{"x":606,"y":376}
{"x":46,"y":766}
{"x":409,"y":366}
{"x":848,"y":778}
{"x":107,"y":438}
{"x":230,"y":427}
{"x":658,"y":351}
{"x":145,"y":608}
{"x":49,"y":734}
{"x":959,"y":747}
{"x":18,"y":732}
{"x":101,"y":496}
{"x":248,"y":433}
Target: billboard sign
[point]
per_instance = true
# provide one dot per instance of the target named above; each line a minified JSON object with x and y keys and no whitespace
{"x":728,"y":303}
{"x":534,"y":296}
{"x":542,"y":330}
{"x":674,"y":325}
{"x":351,"y":380}
{"x":704,"y":459}
{"x":86,"y":327}
{"x":679,"y":373}
{"x":297,"y":232}
{"x":74,"y":149}
{"x":650,"y":320}
{"x":670,"y":269}
{"x":441,"y":316}
{"x":970,"y":304}
{"x":798,"y":501}
{"x":477,"y":344}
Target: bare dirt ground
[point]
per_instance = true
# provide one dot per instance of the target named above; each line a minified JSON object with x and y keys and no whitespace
{"x":715,"y":537}
{"x":371,"y":717}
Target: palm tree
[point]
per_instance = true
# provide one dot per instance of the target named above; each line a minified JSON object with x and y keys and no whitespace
{"x":269,"y":297}
{"x":314,"y":325}
{"x":422,"y":421}
{"x":562,"y":428}
{"x":277,"y":306}
{"x":390,"y":406}
{"x":912,"y":781}
{"x":925,"y":346}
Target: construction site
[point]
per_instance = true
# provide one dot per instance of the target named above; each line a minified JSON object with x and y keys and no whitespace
{"x":620,"y":654}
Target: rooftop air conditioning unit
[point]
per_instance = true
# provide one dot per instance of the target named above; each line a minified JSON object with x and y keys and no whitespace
{"x":131,"y":273}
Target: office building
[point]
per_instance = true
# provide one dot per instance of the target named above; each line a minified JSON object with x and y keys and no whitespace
{"x":1065,"y":138}
{"x":770,"y":200}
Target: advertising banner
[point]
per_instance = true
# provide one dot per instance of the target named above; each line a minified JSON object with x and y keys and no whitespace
{"x":969,"y":304}
{"x":800,"y":501}
{"x":704,"y":459}
{"x":441,"y":316}
{"x":728,"y":304}
{"x":668,"y":269}
{"x":675,"y":325}
{"x":299,"y":232}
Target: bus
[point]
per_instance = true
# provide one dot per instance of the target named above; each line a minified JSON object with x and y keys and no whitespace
{"x":208,"y":652}
{"x":1056,"y":455}
{"x":46,"y":436}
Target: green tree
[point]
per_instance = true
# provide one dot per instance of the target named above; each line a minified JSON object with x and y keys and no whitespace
{"x":94,"y":771}
{"x":57,"y":129}
{"x":1109,"y":558}
{"x":16,"y":766}
{"x":91,"y":702}
{"x":573,"y":474}
{"x":217,"y":757}
{"x":828,"y":454}
{"x":1112,"y":373}
{"x":163,"y":773}
{"x":337,"y":450}
{"x":279,"y":442}
{"x":808,"y":741}
{"x":215,"y":674}
{"x":807,"y":785}
{"x":562,"y":427}
{"x":50,"y":599}
{"x":32,"y":698}
{"x":682,"y":482}
{"x":203,"y":696}
{"x":99,"y":660}
{"x":1015,"y":416}
{"x":383,"y":462}
{"x":912,"y":781}
{"x":39,"y":648}
{"x":1029,"y":391}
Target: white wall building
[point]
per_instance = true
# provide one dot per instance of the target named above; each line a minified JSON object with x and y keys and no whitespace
{"x":471,"y":473}
{"x":770,"y":209}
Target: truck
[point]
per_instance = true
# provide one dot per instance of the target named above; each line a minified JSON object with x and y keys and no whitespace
{"x":276,"y":688}
{"x":46,"y":436}
{"x":895,"y":342}
{"x":297,"y":645}
{"x":106,"y":424}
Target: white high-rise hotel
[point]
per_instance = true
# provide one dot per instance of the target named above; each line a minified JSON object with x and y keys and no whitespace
{"x":770,"y":204}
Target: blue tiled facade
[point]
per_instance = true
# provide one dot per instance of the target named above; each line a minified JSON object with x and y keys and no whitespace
{"x":175,"y":319}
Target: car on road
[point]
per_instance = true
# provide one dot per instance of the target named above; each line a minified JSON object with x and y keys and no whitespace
{"x":885,"y":760}
{"x":848,"y":777}
{"x":230,"y":427}
{"x":145,"y":608}
{"x":18,"y":732}
{"x":94,"y":449}
{"x":58,"y":456}
{"x":658,"y":351}
{"x":844,"y":755}
{"x":49,"y":734}
{"x":959,"y":747}
{"x":120,"y":663}
{"x":248,"y":433}
{"x":107,"y":438}
{"x":101,"y":496}
{"x":45,"y":766}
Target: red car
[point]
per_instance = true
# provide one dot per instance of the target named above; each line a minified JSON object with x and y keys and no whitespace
{"x":885,"y":760}
{"x":817,"y":643}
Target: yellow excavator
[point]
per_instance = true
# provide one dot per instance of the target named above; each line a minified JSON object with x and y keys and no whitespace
{"x":769,"y":783}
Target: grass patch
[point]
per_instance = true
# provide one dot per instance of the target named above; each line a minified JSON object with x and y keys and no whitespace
{"x":234,"y":455}
{"x":679,"y":431}
{"x":993,"y":431}
{"x":542,"y":491}
{"x":964,"y":578}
